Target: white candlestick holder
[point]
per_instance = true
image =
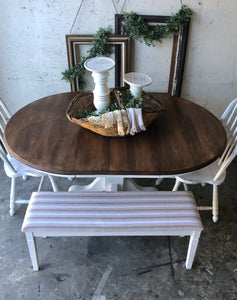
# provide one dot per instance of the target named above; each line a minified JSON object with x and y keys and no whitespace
{"x":136,"y":82}
{"x":99,"y":66}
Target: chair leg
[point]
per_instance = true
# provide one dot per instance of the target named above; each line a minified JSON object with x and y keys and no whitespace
{"x":158,"y":181}
{"x":40,"y":184}
{"x":53,"y":183}
{"x":12,"y":196}
{"x":215,"y":203}
{"x":70,"y":178}
{"x":185,"y":187}
{"x":176,"y":185}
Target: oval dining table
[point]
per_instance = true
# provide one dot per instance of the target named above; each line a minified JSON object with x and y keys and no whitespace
{"x":184,"y":138}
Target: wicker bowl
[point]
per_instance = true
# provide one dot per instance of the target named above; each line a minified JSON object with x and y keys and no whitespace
{"x":84,"y":101}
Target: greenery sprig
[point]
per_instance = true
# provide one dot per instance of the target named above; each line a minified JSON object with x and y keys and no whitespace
{"x":139,"y":30}
{"x":99,"y":47}
{"x":126,"y":99}
{"x":86,"y":114}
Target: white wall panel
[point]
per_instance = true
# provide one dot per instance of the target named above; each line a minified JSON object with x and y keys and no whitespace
{"x":33,"y":48}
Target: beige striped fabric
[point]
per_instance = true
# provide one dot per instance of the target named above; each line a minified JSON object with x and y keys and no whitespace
{"x":99,"y":211}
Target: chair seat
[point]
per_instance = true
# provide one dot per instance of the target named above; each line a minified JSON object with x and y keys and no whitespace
{"x":20,"y":168}
{"x":205,"y":174}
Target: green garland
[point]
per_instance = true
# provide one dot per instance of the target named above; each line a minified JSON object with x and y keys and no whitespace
{"x":139,"y":30}
{"x":99,"y":47}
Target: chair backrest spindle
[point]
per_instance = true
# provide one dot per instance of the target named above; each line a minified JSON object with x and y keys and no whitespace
{"x":4,"y":117}
{"x":229,"y":121}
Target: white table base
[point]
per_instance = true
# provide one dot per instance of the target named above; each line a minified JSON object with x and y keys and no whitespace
{"x":100,"y":184}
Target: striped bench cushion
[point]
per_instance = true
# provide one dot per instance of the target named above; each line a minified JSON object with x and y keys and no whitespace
{"x":125,"y":213}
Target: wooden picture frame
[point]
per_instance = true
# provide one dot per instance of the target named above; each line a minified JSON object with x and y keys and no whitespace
{"x":122,"y":54}
{"x":179,"y":49}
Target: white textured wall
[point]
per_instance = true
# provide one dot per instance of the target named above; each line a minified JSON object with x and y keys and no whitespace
{"x":33,"y":49}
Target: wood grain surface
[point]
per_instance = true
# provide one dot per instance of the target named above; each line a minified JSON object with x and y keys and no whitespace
{"x":184,"y":138}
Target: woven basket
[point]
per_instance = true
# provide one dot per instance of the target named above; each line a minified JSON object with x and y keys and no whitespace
{"x":84,"y":101}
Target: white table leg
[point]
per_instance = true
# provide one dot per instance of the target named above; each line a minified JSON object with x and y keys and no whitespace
{"x":131,"y":185}
{"x":98,"y":184}
{"x":108,"y":183}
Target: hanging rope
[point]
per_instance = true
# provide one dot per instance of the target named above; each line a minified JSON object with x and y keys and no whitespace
{"x":124,"y":3}
{"x":116,"y":8}
{"x":76,"y":15}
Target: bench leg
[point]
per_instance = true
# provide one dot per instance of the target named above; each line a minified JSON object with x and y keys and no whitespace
{"x":32,"y":249}
{"x":192,"y":247}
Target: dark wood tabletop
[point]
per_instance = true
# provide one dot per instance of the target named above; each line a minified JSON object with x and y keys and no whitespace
{"x":184,"y":138}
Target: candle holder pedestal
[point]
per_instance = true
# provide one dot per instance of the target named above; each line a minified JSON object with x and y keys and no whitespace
{"x":136,"y":82}
{"x":99,"y":66}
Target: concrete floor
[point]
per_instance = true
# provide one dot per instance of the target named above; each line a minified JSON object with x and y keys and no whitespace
{"x":139,"y":268}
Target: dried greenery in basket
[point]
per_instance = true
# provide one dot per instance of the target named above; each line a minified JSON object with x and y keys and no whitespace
{"x":125,"y":100}
{"x":120,"y":118}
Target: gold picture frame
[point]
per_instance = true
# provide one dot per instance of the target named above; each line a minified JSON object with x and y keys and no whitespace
{"x":122,"y":57}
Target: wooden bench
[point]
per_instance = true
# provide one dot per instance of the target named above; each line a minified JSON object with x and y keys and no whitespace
{"x":112,"y":214}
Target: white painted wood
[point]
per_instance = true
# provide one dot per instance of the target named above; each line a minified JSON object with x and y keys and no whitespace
{"x":12,"y":196}
{"x":32,"y":250}
{"x":136,"y":82}
{"x":101,"y":184}
{"x":215,"y":173}
{"x":99,"y":66}
{"x":13,"y":167}
{"x":98,"y":184}
{"x":113,"y":214}
{"x":192,"y":247}
{"x":131,"y":185}
{"x":215,"y":203}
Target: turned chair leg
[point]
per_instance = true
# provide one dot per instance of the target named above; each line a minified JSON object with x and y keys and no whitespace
{"x":12,"y":196}
{"x":185,"y":187}
{"x":215,"y":203}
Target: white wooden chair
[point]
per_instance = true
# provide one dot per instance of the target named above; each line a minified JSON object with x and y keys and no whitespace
{"x":13,"y":167}
{"x":215,"y":173}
